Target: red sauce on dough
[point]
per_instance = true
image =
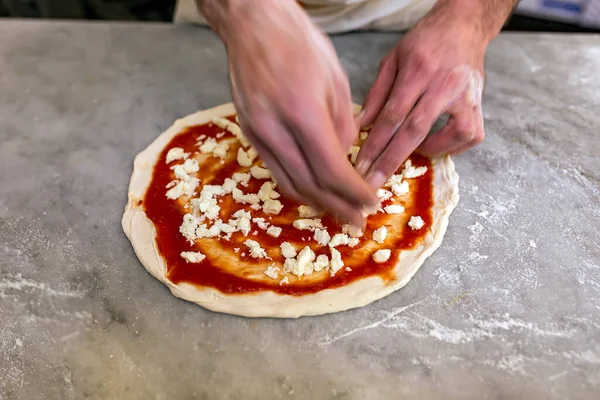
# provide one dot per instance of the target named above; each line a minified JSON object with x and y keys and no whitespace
{"x":166,"y":216}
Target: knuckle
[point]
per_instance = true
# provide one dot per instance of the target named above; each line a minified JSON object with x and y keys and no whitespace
{"x":463,"y":135}
{"x":478,"y":139}
{"x":416,"y":125}
{"x":385,"y":62}
{"x":422,"y":63}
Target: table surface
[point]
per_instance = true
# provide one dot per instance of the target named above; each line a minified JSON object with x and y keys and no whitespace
{"x":508,"y":307}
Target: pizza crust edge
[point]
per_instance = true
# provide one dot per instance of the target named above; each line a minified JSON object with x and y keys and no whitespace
{"x":141,"y":232}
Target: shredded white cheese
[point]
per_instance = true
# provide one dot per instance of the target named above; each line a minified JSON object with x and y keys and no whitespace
{"x":255,"y":250}
{"x":322,"y":236}
{"x":393,"y":209}
{"x":412,"y":172}
{"x":272,"y":272}
{"x":274,"y":231}
{"x":192,"y":256}
{"x":353,"y":153}
{"x":272,"y":207}
{"x":287,"y":250}
{"x":307,"y":212}
{"x":336,"y":262}
{"x":339,"y":239}
{"x":176,"y":153}
{"x":416,"y":223}
{"x":381,"y":256}
{"x":380,"y":234}
{"x":260,"y":173}
{"x":307,"y":224}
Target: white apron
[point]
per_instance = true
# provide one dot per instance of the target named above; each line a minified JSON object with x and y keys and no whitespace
{"x":334,"y":16}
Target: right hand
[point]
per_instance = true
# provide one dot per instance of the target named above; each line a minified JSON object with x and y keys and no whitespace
{"x":294,"y":105}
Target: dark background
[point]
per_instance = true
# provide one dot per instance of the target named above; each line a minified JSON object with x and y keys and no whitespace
{"x":162,"y":10}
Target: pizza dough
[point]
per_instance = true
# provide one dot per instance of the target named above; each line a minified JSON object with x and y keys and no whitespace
{"x":142,"y":233}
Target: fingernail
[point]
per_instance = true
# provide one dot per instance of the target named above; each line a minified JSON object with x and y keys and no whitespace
{"x":362,"y":166}
{"x":377,"y":179}
{"x":359,"y":117}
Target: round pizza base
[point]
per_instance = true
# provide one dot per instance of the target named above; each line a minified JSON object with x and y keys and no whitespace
{"x":142,"y":234}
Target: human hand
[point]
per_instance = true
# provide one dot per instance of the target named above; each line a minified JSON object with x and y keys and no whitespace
{"x":436,"y":69}
{"x":294,"y":105}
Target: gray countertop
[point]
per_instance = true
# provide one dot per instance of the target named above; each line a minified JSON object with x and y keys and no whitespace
{"x":508,"y":307}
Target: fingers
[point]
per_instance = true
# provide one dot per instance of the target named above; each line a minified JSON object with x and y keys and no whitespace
{"x":284,"y":182}
{"x":315,"y":133}
{"x":293,"y":174}
{"x":415,"y":128}
{"x":463,"y":131}
{"x":379,"y":92}
{"x":405,"y":93}
{"x":342,"y":112}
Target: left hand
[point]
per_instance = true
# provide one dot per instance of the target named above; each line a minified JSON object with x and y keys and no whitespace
{"x":436,"y":69}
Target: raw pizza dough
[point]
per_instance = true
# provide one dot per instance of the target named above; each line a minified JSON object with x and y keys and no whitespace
{"x":141,"y":232}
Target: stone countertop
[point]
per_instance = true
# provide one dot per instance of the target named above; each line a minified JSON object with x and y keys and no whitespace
{"x":508,"y":307}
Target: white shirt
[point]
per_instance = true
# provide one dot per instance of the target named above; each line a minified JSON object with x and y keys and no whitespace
{"x":334,"y":16}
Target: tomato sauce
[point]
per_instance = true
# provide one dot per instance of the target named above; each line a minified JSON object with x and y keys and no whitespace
{"x":167,"y":215}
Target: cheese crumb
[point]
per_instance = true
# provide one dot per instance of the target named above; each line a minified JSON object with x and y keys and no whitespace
{"x":394,"y":179}
{"x":228,"y":185}
{"x":208,"y":146}
{"x":260,"y":173}
{"x":353,"y":242}
{"x":304,"y":262}
{"x":353,"y":153}
{"x":307,"y":212}
{"x":352,"y":231}
{"x":307,"y":224}
{"x":220,"y":150}
{"x":272,"y":272}
{"x":266,"y":192}
{"x":381,"y":256}
{"x":241,"y":222}
{"x":272,"y":207}
{"x":336,"y":262}
{"x":412,"y":172}
{"x":255,"y":250}
{"x":183,"y":188}
{"x":176,"y":153}
{"x":287,"y":250}
{"x":322,"y":237}
{"x":192,"y":256}
{"x":383,"y":194}
{"x":284,"y":281}
{"x":400,"y":189}
{"x":243,"y":158}
{"x":231,"y":127}
{"x":188,"y":227}
{"x":416,"y":223}
{"x":191,"y":166}
{"x":339,"y":239}
{"x":240,"y":197}
{"x":241,"y":178}
{"x":380,"y":234}
{"x":321,"y":263}
{"x":274,"y":231}
{"x":261,"y":223}
{"x":393,"y":209}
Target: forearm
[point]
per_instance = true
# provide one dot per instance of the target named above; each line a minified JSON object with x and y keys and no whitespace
{"x":220,"y":14}
{"x":486,"y":16}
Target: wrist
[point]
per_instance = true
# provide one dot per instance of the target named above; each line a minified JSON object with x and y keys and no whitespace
{"x":482,"y":18}
{"x":222,"y":15}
